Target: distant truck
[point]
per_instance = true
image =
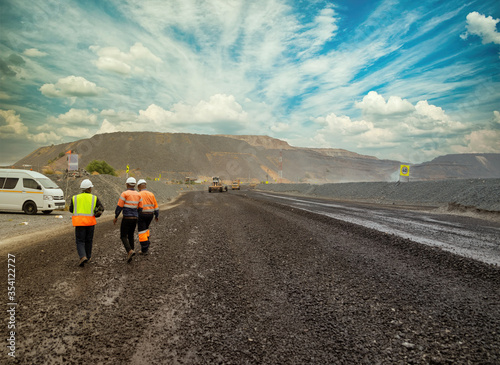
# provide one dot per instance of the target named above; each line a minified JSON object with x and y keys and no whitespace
{"x":235,"y":185}
{"x":217,"y":185}
{"x":29,"y":191}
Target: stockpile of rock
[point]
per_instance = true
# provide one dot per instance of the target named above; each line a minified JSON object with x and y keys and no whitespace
{"x":481,"y":194}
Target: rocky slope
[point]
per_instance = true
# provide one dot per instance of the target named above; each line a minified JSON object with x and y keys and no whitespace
{"x":249,"y":158}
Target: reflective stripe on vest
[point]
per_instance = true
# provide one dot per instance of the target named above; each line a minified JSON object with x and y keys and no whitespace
{"x":149,"y":204}
{"x":83,"y":210}
{"x":130,"y":199}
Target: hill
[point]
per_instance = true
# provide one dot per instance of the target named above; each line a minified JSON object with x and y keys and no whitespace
{"x":249,"y":158}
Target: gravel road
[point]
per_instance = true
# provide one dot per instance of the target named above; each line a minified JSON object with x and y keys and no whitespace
{"x":234,"y":280}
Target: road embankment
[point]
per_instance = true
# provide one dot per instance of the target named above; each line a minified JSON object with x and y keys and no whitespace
{"x":467,"y":194}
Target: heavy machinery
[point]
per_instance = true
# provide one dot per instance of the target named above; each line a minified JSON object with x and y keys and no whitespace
{"x":217,"y":185}
{"x":235,"y":185}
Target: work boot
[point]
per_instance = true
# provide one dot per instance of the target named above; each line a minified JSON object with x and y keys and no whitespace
{"x":131,"y":254}
{"x":82,"y":262}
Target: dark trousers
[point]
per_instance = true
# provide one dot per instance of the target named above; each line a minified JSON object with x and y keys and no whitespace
{"x":143,"y":225}
{"x":84,"y":238}
{"x":127,"y":230}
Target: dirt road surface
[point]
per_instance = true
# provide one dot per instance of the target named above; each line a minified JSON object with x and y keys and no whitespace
{"x":232,"y":279}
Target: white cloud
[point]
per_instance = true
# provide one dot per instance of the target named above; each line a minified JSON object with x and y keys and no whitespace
{"x":280,"y":127}
{"x":114,"y":65}
{"x":72,"y":86}
{"x":431,"y":111}
{"x":482,"y":141}
{"x":114,"y":60}
{"x":373,"y":103}
{"x":11,"y":125}
{"x":496,"y":117}
{"x":44,"y":138}
{"x":486,"y":140}
{"x":107,"y":127}
{"x":34,"y":52}
{"x":75,"y":117}
{"x":394,"y":127}
{"x":219,"y":113}
{"x":482,"y":26}
{"x":12,"y":128}
{"x":322,"y":30}
{"x":75,"y":123}
{"x":343,"y":125}
{"x":77,"y":132}
{"x":220,"y":108}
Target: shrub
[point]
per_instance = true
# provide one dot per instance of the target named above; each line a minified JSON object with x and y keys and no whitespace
{"x":102,"y":167}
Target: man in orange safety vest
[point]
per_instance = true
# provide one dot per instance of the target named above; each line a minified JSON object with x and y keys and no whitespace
{"x":130,"y":202}
{"x":149,"y":209}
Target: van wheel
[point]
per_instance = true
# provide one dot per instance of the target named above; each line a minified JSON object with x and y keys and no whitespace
{"x":46,"y":211}
{"x":29,"y":208}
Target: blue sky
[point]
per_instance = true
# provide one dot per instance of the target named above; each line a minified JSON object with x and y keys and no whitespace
{"x":399,"y":80}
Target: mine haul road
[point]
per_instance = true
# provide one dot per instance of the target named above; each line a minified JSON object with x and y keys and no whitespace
{"x":247,"y":278}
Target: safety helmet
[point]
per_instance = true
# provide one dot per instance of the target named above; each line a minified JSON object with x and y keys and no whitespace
{"x":141,"y":181}
{"x":85,"y":184}
{"x":131,"y":181}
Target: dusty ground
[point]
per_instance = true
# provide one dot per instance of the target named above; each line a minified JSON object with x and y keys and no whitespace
{"x":233,"y":280}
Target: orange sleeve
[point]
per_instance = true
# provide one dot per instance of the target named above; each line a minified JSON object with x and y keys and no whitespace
{"x":121,"y":200}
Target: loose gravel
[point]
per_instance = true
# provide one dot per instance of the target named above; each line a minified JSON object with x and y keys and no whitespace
{"x":481,"y":194}
{"x":234,"y":280}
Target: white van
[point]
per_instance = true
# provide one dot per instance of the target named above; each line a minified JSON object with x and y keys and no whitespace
{"x":29,"y":191}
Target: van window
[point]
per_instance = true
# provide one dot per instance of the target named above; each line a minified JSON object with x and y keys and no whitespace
{"x":30,"y":184}
{"x":2,"y":180}
{"x":11,"y":182}
{"x":48,"y":184}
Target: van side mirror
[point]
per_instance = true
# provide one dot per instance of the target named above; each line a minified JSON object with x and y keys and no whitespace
{"x":39,"y":187}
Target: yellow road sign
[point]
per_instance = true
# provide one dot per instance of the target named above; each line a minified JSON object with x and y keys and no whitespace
{"x":404,"y":170}
{"x":127,"y":168}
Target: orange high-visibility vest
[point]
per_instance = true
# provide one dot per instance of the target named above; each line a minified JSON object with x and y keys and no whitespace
{"x":83,"y":210}
{"x":130,"y":199}
{"x":149,"y":203}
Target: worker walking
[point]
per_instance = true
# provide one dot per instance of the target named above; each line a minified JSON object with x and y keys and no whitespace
{"x":149,"y":209}
{"x":85,"y":208}
{"x":130,"y":202}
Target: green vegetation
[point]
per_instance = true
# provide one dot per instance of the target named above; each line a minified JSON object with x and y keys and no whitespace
{"x":61,"y":154}
{"x":102,"y":167}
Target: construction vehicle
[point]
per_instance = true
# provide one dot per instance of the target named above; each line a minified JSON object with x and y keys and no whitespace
{"x":235,"y":185}
{"x":217,"y":185}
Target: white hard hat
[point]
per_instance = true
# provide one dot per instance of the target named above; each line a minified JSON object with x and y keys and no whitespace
{"x":141,"y":181}
{"x":131,"y":181}
{"x":86,"y":184}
